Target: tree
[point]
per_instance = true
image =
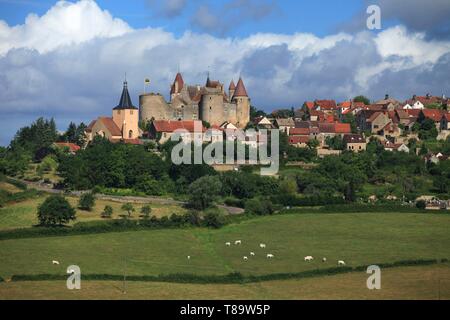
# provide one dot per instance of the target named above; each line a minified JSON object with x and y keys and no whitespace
{"x":204,"y":191}
{"x":128,"y":207}
{"x":87,"y":201}
{"x":421,"y":204}
{"x":107,"y":212}
{"x":55,"y":210}
{"x":145,"y":211}
{"x":288,"y":186}
{"x":362,"y":99}
{"x":214,"y":220}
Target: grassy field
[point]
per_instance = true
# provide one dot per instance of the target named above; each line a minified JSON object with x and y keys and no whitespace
{"x":23,"y":214}
{"x":359,"y":239}
{"x":9,"y":187}
{"x":430,"y":283}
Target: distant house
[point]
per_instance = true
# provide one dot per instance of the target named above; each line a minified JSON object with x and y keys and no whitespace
{"x":299,"y":141}
{"x":433,"y":114}
{"x":400,"y":147}
{"x":71,"y":148}
{"x":327,"y":106}
{"x":435,"y":158}
{"x":355,"y":142}
{"x":263,"y":123}
{"x":162,"y":130}
{"x":389,"y":104}
{"x":285,"y":124}
{"x":378,"y":122}
{"x":445,"y":121}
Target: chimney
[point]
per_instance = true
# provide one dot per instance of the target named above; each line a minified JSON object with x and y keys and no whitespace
{"x":428,"y":96}
{"x":386,"y":97}
{"x":414,"y":97}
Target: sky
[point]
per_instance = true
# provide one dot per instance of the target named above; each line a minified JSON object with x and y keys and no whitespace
{"x":68,"y":59}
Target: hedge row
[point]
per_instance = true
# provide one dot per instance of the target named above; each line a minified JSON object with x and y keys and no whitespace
{"x":311,"y":201}
{"x":19,"y":184}
{"x":231,"y":278}
{"x":123,"y":225}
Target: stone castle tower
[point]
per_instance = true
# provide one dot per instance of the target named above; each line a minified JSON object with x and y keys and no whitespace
{"x":209,"y":103}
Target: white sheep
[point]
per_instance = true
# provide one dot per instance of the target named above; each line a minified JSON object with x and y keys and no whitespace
{"x":270,"y":256}
{"x":189,"y":257}
{"x":252,"y":254}
{"x":245,"y":258}
{"x":238,"y":242}
{"x":262,"y":246}
{"x":324,"y":260}
{"x":228,"y":244}
{"x":341,"y":263}
{"x":309,"y":258}
{"x":55,"y":262}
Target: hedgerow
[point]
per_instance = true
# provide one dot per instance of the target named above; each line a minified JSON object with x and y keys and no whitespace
{"x":231,"y":278}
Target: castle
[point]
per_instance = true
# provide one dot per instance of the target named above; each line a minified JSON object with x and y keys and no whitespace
{"x":208,"y":103}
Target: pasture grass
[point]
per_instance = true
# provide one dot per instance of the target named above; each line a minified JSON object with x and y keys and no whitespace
{"x":405,"y":283}
{"x":24,"y":214}
{"x":359,"y":239}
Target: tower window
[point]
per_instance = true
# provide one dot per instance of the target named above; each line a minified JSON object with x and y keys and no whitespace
{"x":131,"y":112}
{"x":130,"y":134}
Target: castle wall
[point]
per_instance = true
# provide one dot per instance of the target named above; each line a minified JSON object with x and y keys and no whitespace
{"x":242,"y":111}
{"x":211,"y":109}
{"x":154,"y":106}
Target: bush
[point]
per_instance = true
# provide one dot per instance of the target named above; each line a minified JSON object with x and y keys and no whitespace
{"x":204,"y":191}
{"x":145,"y":211}
{"x":128,"y":207}
{"x":259,"y":207}
{"x":233,"y":202}
{"x":55,"y":210}
{"x":421,"y":205}
{"x":214,"y":220}
{"x":87,"y":201}
{"x":107,"y":212}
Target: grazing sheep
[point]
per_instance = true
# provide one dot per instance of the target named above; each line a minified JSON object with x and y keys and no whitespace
{"x":252,"y":254}
{"x":228,"y":244}
{"x":189,"y":257}
{"x":324,"y":260}
{"x":309,"y":258}
{"x":55,"y":262}
{"x":238,"y":242}
{"x":262,"y":246}
{"x":341,"y":263}
{"x":270,"y":256}
{"x":245,"y":258}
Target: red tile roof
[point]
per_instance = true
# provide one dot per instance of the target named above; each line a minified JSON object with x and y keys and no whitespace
{"x":111,"y":126}
{"x":72,"y":146}
{"x":298,"y":139}
{"x":326,"y":104}
{"x":343,"y":128}
{"x":299,"y":131}
{"x":180,"y":81}
{"x":433,"y":114}
{"x":309,"y":105}
{"x":240,"y":89}
{"x":232,"y":85}
{"x":354,"y":138}
{"x":171,"y":126}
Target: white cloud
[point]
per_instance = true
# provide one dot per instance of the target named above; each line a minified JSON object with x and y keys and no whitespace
{"x":70,"y":63}
{"x":65,"y":23}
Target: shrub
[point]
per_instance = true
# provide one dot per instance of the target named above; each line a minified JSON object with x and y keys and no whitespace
{"x":204,"y":191}
{"x":145,"y":211}
{"x":421,"y":205}
{"x":259,"y":207}
{"x":233,"y":202}
{"x":107,"y":212}
{"x":87,"y":201}
{"x":55,"y":210}
{"x":214,"y":220}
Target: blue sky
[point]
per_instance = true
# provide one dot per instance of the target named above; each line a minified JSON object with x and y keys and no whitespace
{"x":286,"y":16}
{"x":67,"y":60}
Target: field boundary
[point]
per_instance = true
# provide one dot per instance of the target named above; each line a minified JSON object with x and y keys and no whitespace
{"x":232,"y":278}
{"x":116,"y":225}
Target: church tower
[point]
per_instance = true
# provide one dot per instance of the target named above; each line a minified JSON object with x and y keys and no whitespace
{"x":126,"y":116}
{"x":242,"y":100}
